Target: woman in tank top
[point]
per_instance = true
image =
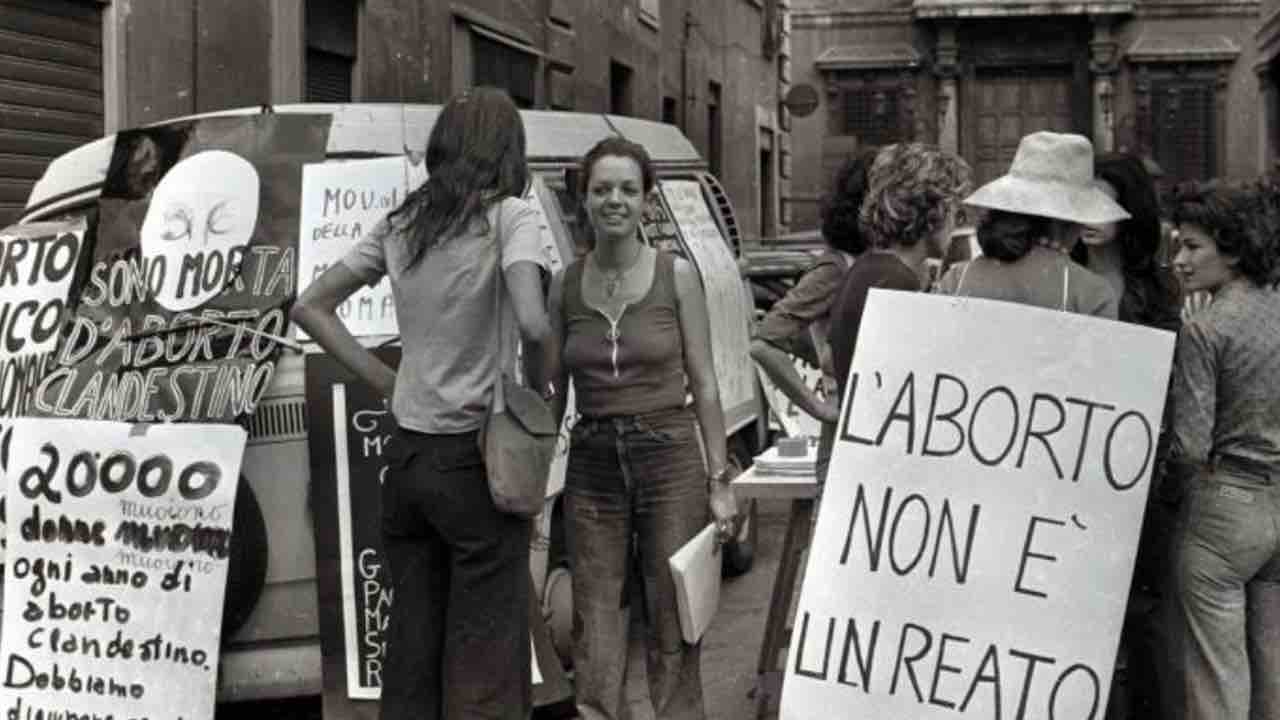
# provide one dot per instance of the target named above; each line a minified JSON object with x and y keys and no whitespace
{"x":646,"y":467}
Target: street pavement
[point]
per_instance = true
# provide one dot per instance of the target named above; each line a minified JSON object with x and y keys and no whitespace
{"x":731,"y":647}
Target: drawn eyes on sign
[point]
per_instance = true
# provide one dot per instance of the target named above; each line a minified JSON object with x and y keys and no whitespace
{"x":178,"y":222}
{"x":221,"y":219}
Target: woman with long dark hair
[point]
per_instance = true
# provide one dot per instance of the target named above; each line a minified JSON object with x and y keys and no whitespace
{"x":1127,"y":253}
{"x":1225,"y":450}
{"x":463,"y":256}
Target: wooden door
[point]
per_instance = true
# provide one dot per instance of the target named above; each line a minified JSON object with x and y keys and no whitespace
{"x":1009,"y":104}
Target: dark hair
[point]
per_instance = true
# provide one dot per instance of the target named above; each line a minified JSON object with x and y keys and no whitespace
{"x":1008,"y":236}
{"x":618,"y":146}
{"x":1238,"y":219}
{"x":475,"y":158}
{"x":141,"y":158}
{"x":1150,"y":291}
{"x":840,"y":208}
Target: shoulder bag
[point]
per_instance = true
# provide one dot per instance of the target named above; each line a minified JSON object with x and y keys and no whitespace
{"x":519,"y":434}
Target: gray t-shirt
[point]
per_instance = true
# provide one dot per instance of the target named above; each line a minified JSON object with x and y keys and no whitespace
{"x":446,"y":310}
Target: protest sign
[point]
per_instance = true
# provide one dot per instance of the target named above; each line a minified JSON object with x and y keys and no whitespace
{"x":117,"y":561}
{"x":785,"y":415}
{"x":976,"y":537}
{"x":351,"y":430}
{"x":341,"y":202}
{"x":180,"y":315}
{"x":39,"y":262}
{"x":728,"y":303}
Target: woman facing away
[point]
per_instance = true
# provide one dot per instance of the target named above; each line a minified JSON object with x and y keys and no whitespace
{"x":645,"y":466}
{"x":1225,"y":450}
{"x":798,"y":324}
{"x":458,"y":640}
{"x":1032,"y":220}
{"x":907,"y":216}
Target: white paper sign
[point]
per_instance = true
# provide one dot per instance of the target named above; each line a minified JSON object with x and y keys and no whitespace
{"x":341,"y":202}
{"x":117,"y":563}
{"x":727,"y":302}
{"x":975,"y":543}
{"x":785,"y":415}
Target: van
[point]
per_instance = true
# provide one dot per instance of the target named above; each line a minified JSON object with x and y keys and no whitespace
{"x":271,"y":639}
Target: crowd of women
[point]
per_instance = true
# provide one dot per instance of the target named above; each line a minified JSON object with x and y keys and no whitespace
{"x":647,"y":466}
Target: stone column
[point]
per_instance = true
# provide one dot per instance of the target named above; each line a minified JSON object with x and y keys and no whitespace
{"x":1269,"y":96}
{"x":946,"y":67}
{"x":1103,"y":65}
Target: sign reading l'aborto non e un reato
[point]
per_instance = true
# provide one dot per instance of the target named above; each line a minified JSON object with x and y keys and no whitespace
{"x":977,"y":532}
{"x":118,"y":541}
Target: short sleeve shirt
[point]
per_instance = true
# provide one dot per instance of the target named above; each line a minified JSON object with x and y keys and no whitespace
{"x":446,"y":307}
{"x":787,"y":325}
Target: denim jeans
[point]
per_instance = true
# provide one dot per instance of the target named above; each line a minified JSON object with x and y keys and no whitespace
{"x":458,"y":639}
{"x":1227,"y":575}
{"x":636,"y":488}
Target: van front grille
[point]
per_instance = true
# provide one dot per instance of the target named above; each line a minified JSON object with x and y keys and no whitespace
{"x":279,"y":421}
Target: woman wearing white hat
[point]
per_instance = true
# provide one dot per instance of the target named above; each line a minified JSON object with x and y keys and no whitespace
{"x":1033,"y":216}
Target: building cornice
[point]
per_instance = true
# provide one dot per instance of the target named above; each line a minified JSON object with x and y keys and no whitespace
{"x":940,"y":9}
{"x":1268,"y":37}
{"x":1197,"y":8}
{"x":849,"y":17}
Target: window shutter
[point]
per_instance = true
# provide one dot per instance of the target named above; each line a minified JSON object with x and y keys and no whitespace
{"x":872,"y":114}
{"x":328,"y":77}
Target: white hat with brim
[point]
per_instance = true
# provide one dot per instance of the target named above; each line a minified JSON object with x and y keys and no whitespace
{"x":1051,"y":176}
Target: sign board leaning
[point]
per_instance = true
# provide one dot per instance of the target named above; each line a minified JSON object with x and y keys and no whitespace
{"x":117,"y":559}
{"x":976,"y":540}
{"x":727,"y":302}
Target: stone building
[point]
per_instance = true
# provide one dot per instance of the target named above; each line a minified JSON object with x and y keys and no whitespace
{"x":73,"y":69}
{"x":1172,"y":80}
{"x":1267,"y":67}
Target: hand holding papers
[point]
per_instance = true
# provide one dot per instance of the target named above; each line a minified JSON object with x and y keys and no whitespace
{"x":695,"y":567}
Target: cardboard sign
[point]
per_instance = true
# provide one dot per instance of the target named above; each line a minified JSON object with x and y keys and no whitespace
{"x":118,"y":550}
{"x":40,"y":264}
{"x":350,"y":430}
{"x":186,"y":300}
{"x":728,"y":304}
{"x":976,"y":539}
{"x":784,"y":415}
{"x":341,"y":202}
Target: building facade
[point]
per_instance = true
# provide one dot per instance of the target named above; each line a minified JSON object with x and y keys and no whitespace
{"x":1171,"y":80}
{"x":71,"y":70}
{"x":1267,"y":68}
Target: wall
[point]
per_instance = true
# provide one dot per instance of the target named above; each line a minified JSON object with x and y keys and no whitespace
{"x":184,"y":56}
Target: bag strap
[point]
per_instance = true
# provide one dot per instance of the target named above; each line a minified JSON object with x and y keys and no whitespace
{"x":499,"y":396}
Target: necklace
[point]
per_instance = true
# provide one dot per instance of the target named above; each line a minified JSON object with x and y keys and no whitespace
{"x":613,"y":277}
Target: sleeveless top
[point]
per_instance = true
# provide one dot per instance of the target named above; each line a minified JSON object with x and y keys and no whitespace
{"x":635,"y":366}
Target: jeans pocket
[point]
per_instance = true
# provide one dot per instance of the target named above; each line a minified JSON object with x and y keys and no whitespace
{"x":673,"y":430}
{"x":1226,"y":516}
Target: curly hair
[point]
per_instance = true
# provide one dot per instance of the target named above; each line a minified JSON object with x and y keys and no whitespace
{"x":1240,"y":220}
{"x":617,"y":146}
{"x":841,"y":207}
{"x":912,"y":189}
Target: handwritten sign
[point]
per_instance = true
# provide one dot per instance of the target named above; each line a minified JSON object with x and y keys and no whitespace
{"x":976,"y":539}
{"x":727,"y":301}
{"x":190,"y":280}
{"x":118,"y":542}
{"x":341,"y":202}
{"x":785,"y":415}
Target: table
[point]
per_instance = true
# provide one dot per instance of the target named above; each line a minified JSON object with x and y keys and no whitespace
{"x":803,"y":493}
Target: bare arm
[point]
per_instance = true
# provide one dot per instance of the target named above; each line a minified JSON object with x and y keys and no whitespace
{"x":561,"y":374}
{"x":542,"y":356}
{"x":315,"y":312}
{"x":778,"y":366}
